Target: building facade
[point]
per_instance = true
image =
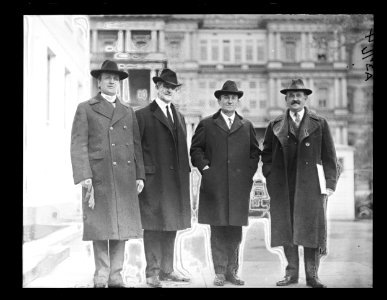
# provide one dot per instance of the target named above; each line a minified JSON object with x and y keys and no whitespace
{"x":262,"y":53}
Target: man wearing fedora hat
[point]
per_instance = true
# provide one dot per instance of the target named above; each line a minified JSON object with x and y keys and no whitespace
{"x":299,"y":163}
{"x":165,"y":200}
{"x":226,"y":152}
{"x":107,"y":161}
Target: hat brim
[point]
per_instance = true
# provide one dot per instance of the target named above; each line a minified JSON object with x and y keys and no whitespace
{"x":306,"y":91}
{"x":157,"y":79}
{"x":122,"y":75}
{"x":218,"y":93}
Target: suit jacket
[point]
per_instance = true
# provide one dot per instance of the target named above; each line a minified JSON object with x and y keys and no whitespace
{"x":232,"y":156}
{"x":165,"y":200}
{"x":105,"y":146}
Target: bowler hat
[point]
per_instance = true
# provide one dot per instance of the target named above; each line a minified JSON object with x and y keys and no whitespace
{"x":229,"y":87}
{"x":109,"y":66}
{"x":167,"y":76}
{"x":296,"y":85}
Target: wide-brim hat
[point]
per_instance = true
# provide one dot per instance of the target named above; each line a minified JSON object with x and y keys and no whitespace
{"x":167,"y":76}
{"x":229,"y":87}
{"x":296,"y":85}
{"x":109,"y":66}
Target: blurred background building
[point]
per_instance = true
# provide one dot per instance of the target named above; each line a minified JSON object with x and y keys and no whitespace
{"x":262,"y":53}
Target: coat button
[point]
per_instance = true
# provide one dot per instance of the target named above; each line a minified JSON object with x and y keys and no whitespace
{"x":111,"y":128}
{"x":125,"y":127}
{"x":306,"y":162}
{"x":307,"y":144}
{"x":128,"y":162}
{"x":127,"y":144}
{"x":114,"y":163}
{"x":84,"y":217}
{"x":171,"y":167}
{"x":113,"y":144}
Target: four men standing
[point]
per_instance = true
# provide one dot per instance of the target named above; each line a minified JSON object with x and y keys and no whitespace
{"x":114,"y":150}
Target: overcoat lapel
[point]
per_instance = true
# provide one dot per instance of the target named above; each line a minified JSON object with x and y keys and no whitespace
{"x":238,"y":123}
{"x":101,"y":106}
{"x":119,"y":112}
{"x":309,"y":125}
{"x":159,"y":115}
{"x":220,"y":122}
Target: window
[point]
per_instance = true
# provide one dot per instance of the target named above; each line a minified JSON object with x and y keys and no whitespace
{"x":262,"y":104}
{"x":322,"y":97}
{"x":249,"y":50}
{"x":260,"y":51}
{"x":203,"y":50}
{"x":253,"y":104}
{"x":214,"y":50}
{"x":253,"y":84}
{"x":238,"y":51}
{"x":174,"y":49}
{"x":226,"y":50}
{"x":290,"y":51}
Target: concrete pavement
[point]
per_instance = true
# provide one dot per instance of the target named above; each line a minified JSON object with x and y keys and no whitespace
{"x":348,"y":263}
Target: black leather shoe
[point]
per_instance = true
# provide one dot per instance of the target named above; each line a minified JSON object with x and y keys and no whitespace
{"x":315,"y":283}
{"x":153,"y":281}
{"x":219,"y":279}
{"x":234,"y":279}
{"x":287,"y":280}
{"x":99,"y":284}
{"x":172,"y":277}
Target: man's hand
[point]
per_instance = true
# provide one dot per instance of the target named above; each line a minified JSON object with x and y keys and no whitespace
{"x":329,"y":192}
{"x":140,"y":185}
{"x":88,"y":184}
{"x":206,"y":167}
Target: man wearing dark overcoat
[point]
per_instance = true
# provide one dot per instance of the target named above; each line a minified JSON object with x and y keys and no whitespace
{"x":299,"y":163}
{"x":226,"y":152}
{"x":107,"y":161}
{"x":165,"y":200}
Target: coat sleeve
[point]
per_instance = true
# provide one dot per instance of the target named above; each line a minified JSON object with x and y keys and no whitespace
{"x":328,"y":157}
{"x":198,"y":148}
{"x":267,"y":151}
{"x":80,"y":146}
{"x":255,"y":152}
{"x":140,"y":170}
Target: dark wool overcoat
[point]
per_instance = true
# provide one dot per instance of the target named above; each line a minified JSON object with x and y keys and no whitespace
{"x":105,"y":146}
{"x":165,"y":200}
{"x":315,"y":146}
{"x":232,"y":156}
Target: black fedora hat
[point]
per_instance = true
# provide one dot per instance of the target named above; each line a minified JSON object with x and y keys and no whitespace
{"x":167,"y":76}
{"x":296,"y":85}
{"x":109,"y":66}
{"x":229,"y":87}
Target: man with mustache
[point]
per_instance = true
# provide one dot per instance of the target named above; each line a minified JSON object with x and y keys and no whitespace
{"x":299,"y":163}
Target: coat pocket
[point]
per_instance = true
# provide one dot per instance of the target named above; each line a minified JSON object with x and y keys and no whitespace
{"x":97,"y":154}
{"x":150,"y":169}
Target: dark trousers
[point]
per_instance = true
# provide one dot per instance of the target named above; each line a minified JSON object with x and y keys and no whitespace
{"x":159,"y":249}
{"x":311,"y":260}
{"x":109,"y":260}
{"x":225,"y":242}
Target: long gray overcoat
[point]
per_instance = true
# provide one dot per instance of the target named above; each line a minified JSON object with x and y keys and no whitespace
{"x":315,"y":146}
{"x":232,"y":156}
{"x":165,"y":201}
{"x":105,"y":146}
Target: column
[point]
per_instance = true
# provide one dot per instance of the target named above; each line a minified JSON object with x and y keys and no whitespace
{"x":94,"y":38}
{"x":336,"y":47}
{"x":187,"y":46}
{"x":342,"y":48}
{"x":152,"y":85}
{"x":337,"y":135}
{"x":161,"y":41}
{"x":195,"y":45}
{"x":337,"y":92}
{"x":278,"y":46}
{"x":277,"y":92}
{"x":120,"y":41}
{"x":154,"y":40}
{"x":303,"y":47}
{"x":343,"y":93}
{"x":271,"y":99}
{"x":128,"y":40}
{"x":125,"y":89}
{"x":311,"y":54}
{"x":271,"y":46}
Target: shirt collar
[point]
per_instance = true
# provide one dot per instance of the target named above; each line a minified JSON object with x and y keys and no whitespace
{"x":301,"y":113}
{"x":162,"y":104}
{"x":109,"y":98}
{"x":226,"y":117}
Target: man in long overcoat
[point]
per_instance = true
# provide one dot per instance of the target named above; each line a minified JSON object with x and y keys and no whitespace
{"x":226,"y":152}
{"x":107,"y":161}
{"x":297,"y":147}
{"x":165,"y":200}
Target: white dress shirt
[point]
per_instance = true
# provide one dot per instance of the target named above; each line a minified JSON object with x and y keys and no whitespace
{"x":225,"y":117}
{"x":301,"y":113}
{"x":163,"y":107}
{"x":109,"y":98}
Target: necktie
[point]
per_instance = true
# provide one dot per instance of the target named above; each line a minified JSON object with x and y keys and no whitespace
{"x":169,"y":116}
{"x":298,"y":119}
{"x":229,"y":123}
